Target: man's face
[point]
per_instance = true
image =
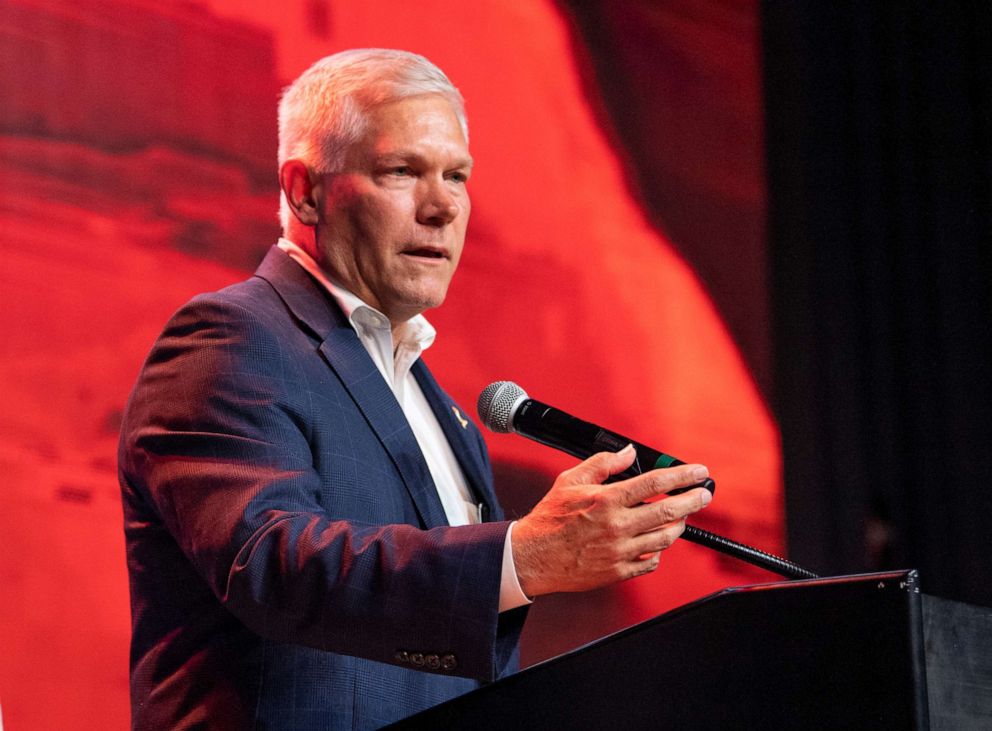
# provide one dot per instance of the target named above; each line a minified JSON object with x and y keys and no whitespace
{"x":392,"y":222}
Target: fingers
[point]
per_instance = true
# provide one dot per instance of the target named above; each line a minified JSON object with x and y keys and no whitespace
{"x":655,"y":541}
{"x":656,"y":482}
{"x":646,"y":549}
{"x":600,"y":467}
{"x":649,"y":516}
{"x":640,"y":566}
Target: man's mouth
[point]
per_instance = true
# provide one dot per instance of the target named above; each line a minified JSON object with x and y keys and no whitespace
{"x":426,"y":252}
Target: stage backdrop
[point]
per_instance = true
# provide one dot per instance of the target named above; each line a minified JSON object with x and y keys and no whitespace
{"x":614,"y":268}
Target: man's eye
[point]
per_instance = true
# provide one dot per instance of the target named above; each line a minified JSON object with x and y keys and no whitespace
{"x":458,"y":177}
{"x":401,"y":170}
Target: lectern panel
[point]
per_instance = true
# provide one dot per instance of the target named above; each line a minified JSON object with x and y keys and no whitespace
{"x":830,"y":653}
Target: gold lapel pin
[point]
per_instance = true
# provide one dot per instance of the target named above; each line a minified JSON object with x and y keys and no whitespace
{"x":461,"y":419}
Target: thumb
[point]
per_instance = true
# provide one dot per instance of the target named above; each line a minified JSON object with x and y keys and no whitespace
{"x":600,"y":467}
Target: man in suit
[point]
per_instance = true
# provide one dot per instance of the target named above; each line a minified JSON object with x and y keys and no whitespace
{"x":313,"y":538}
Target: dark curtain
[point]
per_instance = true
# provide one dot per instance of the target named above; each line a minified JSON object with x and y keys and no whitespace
{"x":879,"y":123}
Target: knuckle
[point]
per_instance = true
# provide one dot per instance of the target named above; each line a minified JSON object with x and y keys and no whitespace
{"x":640,"y":488}
{"x":673,"y":479}
{"x":568,"y":476}
{"x":645,"y":566}
{"x":601,"y":501}
{"x":626,"y":492}
{"x":667,"y":512}
{"x":615,"y":553}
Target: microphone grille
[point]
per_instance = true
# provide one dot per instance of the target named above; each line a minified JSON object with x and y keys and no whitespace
{"x":498,"y":403}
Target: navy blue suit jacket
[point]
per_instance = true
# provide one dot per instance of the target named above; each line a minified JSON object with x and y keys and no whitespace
{"x":290,"y":562}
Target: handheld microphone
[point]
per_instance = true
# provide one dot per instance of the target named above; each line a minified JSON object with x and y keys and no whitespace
{"x":505,"y":407}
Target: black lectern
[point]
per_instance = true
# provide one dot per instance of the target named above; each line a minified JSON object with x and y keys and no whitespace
{"x":864,"y":651}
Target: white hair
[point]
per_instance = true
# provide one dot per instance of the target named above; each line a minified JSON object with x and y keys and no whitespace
{"x":323,"y":111}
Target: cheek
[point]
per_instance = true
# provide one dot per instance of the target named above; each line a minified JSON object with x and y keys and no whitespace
{"x":383,"y":219}
{"x":363,"y":218}
{"x":354,"y":207}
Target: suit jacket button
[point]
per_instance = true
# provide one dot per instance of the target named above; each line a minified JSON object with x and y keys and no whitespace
{"x":448,"y":662}
{"x":432,"y":661}
{"x":417,"y":659}
{"x":401,"y":656}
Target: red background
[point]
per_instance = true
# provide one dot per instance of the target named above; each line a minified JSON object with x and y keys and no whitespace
{"x":137,"y":167}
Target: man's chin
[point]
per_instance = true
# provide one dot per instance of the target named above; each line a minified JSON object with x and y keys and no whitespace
{"x":416,"y":304}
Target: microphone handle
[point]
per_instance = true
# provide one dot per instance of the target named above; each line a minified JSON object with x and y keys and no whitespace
{"x":554,"y":428}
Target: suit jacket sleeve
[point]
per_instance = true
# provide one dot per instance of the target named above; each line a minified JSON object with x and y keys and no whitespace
{"x":217,"y":446}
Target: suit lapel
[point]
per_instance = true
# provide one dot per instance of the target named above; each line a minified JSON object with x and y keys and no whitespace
{"x":345,"y":354}
{"x":461,"y":435}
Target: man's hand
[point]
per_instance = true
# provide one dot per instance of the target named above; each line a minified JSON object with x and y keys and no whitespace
{"x":583,"y":534}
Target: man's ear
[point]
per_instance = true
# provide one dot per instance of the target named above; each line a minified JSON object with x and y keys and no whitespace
{"x":301,"y":190}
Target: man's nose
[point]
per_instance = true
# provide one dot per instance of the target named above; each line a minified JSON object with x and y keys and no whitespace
{"x":438,"y":206}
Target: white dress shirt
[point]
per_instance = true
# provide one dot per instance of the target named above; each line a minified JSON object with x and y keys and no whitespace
{"x":394,"y":362}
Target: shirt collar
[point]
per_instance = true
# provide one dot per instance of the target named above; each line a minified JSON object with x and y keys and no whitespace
{"x":416,"y":333}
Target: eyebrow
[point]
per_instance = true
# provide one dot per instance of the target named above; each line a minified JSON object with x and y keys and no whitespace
{"x":461,"y":162}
